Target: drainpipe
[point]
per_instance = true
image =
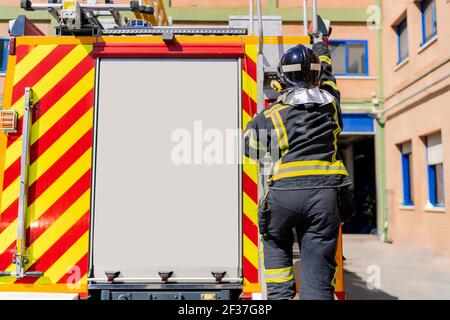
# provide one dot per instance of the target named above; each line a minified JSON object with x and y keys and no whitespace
{"x":382,"y":206}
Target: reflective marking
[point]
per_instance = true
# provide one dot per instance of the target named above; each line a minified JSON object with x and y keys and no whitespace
{"x":325,"y":59}
{"x":335,"y":131}
{"x":278,"y":124}
{"x":249,"y":86}
{"x":31,"y":60}
{"x":279,"y":275}
{"x":292,"y":67}
{"x":315,"y":67}
{"x":331,"y":84}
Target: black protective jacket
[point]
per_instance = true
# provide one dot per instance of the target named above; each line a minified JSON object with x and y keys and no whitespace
{"x":300,"y":133}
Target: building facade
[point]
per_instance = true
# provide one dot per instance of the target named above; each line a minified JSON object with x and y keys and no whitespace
{"x":416,"y":64}
{"x":355,"y":59}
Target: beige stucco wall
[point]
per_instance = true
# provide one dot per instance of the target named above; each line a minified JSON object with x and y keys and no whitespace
{"x":418,"y":227}
{"x":281,"y":3}
{"x":328,"y":3}
{"x":419,"y":62}
{"x":423,"y":111}
{"x":12,"y":3}
{"x":209,"y":3}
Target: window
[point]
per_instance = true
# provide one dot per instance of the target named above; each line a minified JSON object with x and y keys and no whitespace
{"x":435,"y":170}
{"x":3,"y":54}
{"x":429,"y":27}
{"x":407,"y":174}
{"x":350,"y":57}
{"x":402,"y":34}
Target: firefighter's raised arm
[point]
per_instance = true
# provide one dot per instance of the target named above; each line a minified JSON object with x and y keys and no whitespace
{"x":327,"y":79}
{"x":256,"y":138}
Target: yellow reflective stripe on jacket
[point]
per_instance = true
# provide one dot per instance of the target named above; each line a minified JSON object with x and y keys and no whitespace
{"x":335,"y":131}
{"x":255,"y":144}
{"x":333,"y":281}
{"x":278,"y":124}
{"x":331,"y":84}
{"x":279,"y":275}
{"x":308,"y":168}
{"x":307,"y":163}
{"x":280,"y":129}
{"x":325,"y":59}
{"x":276,"y":108}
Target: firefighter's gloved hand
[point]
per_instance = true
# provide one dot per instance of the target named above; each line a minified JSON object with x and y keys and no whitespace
{"x":318,"y":37}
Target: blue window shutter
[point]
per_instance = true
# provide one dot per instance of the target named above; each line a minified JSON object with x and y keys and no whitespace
{"x":399,"y":45}
{"x":406,"y":180}
{"x":443,"y":190}
{"x":432,"y":184}
{"x":422,"y":12}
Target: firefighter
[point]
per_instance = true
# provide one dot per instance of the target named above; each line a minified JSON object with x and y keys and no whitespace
{"x":299,"y":132}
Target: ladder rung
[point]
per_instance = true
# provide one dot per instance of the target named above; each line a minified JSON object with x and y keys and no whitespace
{"x":179,"y":31}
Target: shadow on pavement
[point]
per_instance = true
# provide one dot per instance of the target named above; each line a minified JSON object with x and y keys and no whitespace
{"x":356,"y":289}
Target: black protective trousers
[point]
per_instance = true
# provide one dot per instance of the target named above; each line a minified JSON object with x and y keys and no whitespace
{"x":314,"y":215}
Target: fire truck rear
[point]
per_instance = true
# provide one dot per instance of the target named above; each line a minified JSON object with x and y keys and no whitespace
{"x":111,"y":182}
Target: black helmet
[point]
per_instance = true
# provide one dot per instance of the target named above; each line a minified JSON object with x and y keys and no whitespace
{"x":300,"y":67}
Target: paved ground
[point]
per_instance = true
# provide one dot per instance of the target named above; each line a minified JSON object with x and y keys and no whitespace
{"x":400,"y":273}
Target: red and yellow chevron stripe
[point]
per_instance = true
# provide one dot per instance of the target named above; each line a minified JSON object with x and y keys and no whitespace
{"x":250,"y":177}
{"x":62,"y":79}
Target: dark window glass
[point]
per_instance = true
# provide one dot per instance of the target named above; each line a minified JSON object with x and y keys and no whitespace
{"x":338,"y":57}
{"x":356,"y":58}
{"x":349,"y":57}
{"x":402,"y":31}
{"x":429,"y":27}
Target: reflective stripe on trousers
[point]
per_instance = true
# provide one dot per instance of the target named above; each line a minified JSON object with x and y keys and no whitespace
{"x":279,"y":275}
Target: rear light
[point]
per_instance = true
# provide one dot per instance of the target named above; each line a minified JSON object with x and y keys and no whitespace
{"x":218,"y":276}
{"x":12,"y":46}
{"x":165,"y":275}
{"x":8,"y":121}
{"x":111,"y":275}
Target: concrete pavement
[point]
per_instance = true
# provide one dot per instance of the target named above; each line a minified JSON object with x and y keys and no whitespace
{"x":382,"y":271}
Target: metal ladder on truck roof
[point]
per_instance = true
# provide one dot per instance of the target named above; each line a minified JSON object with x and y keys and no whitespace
{"x":90,"y":18}
{"x":93,"y":18}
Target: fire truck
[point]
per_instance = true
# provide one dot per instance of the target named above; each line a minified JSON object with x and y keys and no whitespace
{"x":92,"y":202}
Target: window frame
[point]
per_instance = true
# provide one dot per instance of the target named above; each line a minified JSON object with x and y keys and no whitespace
{"x":407,"y":196}
{"x":432,"y":181}
{"x":423,"y":6}
{"x":401,"y":58}
{"x":5,"y":55}
{"x":366,"y":57}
